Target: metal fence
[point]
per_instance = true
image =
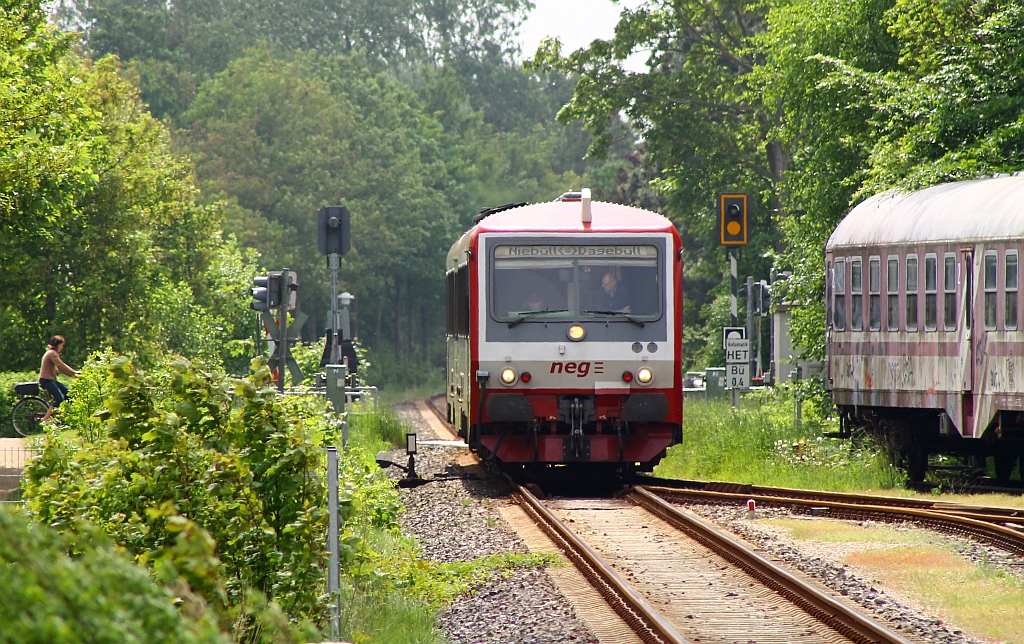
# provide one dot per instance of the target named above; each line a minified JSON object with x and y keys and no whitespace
{"x":12,"y":462}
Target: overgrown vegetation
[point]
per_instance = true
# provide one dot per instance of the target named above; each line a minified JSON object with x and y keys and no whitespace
{"x":760,"y":443}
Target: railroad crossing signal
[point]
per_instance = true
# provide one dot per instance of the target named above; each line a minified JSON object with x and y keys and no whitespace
{"x":291,"y":336}
{"x":333,"y":230}
{"x":732,"y":219}
{"x":266,"y":292}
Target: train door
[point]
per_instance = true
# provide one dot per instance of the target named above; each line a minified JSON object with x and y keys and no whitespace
{"x":966,"y":340}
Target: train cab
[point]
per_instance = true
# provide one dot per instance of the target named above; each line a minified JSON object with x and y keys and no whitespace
{"x":564,"y":326}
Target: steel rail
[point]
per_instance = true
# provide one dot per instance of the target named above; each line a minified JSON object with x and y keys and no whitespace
{"x":643,"y":618}
{"x":837,"y":615}
{"x":994,"y":514}
{"x":1001,"y":536}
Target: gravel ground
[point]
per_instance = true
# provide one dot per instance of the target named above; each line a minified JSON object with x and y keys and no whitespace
{"x":459,"y":520}
{"x":821,"y":561}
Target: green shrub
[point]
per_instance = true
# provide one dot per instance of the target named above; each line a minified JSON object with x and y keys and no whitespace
{"x":230,"y":455}
{"x":97,"y":596}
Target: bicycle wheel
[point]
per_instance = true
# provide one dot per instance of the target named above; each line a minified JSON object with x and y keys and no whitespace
{"x":27,"y":415}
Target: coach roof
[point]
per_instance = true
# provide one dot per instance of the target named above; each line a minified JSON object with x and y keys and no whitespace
{"x":982,"y":209}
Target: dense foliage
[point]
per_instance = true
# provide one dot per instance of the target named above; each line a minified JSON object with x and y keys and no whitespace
{"x":98,"y":595}
{"x":807,"y":105}
{"x":101,"y":236}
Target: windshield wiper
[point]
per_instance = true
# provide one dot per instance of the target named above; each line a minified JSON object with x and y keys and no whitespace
{"x":529,"y":314}
{"x":620,"y":314}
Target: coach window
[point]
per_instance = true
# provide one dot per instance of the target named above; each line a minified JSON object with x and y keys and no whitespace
{"x":839,"y":294}
{"x":931,"y":311}
{"x":1010,"y":291}
{"x":449,"y":312}
{"x":462,"y":301}
{"x":949,"y":292}
{"x":990,"y":286}
{"x":856,"y":294}
{"x":892,"y":289}
{"x":911,"y":292}
{"x":874,"y":293}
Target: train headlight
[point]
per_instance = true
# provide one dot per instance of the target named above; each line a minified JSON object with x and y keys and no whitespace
{"x":508,"y":376}
{"x":576,"y":332}
{"x":644,"y":375}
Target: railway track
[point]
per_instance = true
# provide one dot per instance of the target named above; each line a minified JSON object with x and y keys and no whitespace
{"x":689,"y":581}
{"x":1000,"y":527}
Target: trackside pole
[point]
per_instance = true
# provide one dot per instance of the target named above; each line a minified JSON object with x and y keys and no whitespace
{"x":333,"y":572}
{"x":733,"y":316}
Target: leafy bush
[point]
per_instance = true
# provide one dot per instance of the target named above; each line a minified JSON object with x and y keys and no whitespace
{"x":97,"y":596}
{"x":228,"y":454}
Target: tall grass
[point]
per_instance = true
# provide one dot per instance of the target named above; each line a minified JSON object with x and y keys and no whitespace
{"x":761,"y":444}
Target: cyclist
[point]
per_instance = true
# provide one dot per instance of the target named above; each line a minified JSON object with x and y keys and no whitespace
{"x":48,"y":374}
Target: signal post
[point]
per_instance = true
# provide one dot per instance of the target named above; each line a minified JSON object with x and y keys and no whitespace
{"x":732,"y":233}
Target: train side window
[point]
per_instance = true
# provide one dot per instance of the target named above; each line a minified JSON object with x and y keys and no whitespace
{"x":874,"y":293}
{"x":839,"y":294}
{"x":949,"y":292}
{"x":856,"y":294}
{"x":912,"y":292}
{"x":449,"y":309}
{"x":462,"y":301}
{"x":1010,"y":291}
{"x":892,"y":289}
{"x":990,"y":286}
{"x":931,"y":311}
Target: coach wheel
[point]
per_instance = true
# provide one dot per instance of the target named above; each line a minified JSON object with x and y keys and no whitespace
{"x":917,"y":464}
{"x":1004,"y":466}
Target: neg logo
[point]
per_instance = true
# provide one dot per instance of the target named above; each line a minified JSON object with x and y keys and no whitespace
{"x":581,"y":369}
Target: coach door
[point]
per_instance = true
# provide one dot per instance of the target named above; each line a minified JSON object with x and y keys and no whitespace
{"x":966,"y":335}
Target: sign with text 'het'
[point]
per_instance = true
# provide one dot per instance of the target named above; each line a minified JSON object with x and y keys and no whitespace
{"x":736,"y":376}
{"x":737,"y":351}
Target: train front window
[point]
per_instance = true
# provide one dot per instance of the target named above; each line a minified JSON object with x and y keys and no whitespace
{"x":991,"y":259}
{"x":540,"y":282}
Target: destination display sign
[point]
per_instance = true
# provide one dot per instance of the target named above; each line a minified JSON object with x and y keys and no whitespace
{"x":590,"y":252}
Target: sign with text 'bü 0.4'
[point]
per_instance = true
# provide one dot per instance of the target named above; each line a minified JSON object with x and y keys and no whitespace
{"x":736,"y":376}
{"x":737,"y":358}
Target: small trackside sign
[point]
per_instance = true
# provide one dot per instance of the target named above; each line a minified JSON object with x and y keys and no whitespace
{"x":581,"y":369}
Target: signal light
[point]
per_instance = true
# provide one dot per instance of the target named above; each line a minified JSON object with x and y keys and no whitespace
{"x":732,"y":219}
{"x":333,"y":230}
{"x":508,"y":376}
{"x":627,"y":376}
{"x":526,"y":377}
{"x":576,"y":333}
{"x":266,"y":293}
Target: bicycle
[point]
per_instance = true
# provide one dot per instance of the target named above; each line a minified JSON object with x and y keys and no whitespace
{"x":28,"y":411}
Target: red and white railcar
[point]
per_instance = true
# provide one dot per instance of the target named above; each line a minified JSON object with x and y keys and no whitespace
{"x":925,"y":344}
{"x":565,"y":334}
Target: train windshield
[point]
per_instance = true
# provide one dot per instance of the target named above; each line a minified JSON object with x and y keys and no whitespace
{"x":560,"y":282}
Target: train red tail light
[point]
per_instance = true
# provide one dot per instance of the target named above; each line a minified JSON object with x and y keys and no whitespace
{"x":627,"y":376}
{"x":525,"y":376}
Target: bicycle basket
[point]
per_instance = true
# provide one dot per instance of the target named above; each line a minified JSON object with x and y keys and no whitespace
{"x":27,"y":388}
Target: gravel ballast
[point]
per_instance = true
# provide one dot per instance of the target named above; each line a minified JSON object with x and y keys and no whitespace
{"x":458,"y":520}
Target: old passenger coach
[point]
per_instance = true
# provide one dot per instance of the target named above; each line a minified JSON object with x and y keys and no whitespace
{"x":925,"y":344}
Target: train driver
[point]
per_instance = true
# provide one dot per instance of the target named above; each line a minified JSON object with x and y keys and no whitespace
{"x":612,"y":297}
